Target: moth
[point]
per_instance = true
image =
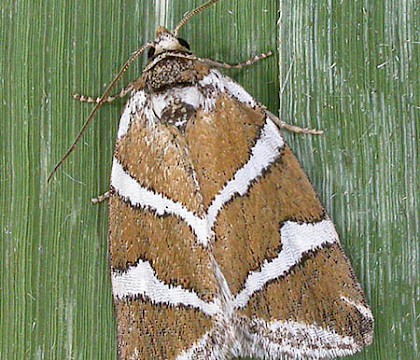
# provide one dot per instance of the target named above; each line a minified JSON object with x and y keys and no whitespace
{"x":219,"y":245}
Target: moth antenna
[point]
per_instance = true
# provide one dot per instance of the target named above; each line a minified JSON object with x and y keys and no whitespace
{"x":98,"y":106}
{"x":192,"y":14}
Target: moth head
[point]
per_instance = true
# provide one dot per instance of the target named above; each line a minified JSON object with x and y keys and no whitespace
{"x":169,"y":41}
{"x":166,"y":41}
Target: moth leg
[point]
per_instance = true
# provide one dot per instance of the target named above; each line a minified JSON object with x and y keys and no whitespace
{"x":102,"y":197}
{"x":249,"y":62}
{"x":88,"y":99}
{"x":296,"y":129}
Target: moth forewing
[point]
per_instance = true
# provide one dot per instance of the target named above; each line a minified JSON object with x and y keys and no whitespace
{"x":219,"y":244}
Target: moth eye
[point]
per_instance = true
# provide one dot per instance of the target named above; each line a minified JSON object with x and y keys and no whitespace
{"x":184,"y":43}
{"x":151,"y":52}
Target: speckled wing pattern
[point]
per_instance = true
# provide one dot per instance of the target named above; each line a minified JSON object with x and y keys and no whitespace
{"x":219,"y":245}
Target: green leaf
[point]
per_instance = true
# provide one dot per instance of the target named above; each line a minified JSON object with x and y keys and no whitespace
{"x":347,"y":67}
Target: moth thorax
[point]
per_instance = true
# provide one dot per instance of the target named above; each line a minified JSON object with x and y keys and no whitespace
{"x":174,"y":71}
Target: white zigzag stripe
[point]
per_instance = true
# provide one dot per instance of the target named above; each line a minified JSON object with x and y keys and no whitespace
{"x":298,"y":341}
{"x":129,"y":189}
{"x":264,"y":153}
{"x":296,"y":239}
{"x":141,"y":280}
